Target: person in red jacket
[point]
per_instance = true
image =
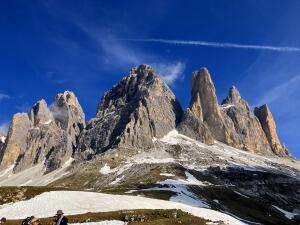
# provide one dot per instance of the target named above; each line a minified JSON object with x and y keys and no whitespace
{"x":60,"y":218}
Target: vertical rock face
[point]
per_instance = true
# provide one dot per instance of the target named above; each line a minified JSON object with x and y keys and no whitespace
{"x":233,"y":123}
{"x":268,"y":124}
{"x":193,"y":127}
{"x":133,"y":112}
{"x":15,"y":143}
{"x":44,"y":135}
{"x":247,"y":127}
{"x":204,"y":106}
{"x":40,"y":114}
{"x":70,"y":119}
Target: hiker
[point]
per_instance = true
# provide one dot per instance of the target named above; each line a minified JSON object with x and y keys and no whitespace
{"x":3,"y":220}
{"x":35,"y":221}
{"x":60,"y":218}
{"x":27,"y":221}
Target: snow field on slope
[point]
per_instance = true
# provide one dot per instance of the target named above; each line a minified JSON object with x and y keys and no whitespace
{"x":76,"y":202}
{"x":106,"y":222}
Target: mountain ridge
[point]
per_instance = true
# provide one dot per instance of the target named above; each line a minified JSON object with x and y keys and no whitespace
{"x":140,"y":108}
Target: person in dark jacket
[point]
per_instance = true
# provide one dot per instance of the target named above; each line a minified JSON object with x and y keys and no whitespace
{"x":3,"y":220}
{"x":60,"y":218}
{"x":27,"y":221}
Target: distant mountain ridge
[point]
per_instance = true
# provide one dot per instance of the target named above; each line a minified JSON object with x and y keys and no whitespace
{"x":139,"y":109}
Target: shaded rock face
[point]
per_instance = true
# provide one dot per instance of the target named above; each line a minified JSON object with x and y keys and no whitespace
{"x":248,"y":129}
{"x":268,"y":124}
{"x":45,"y":135}
{"x":141,"y":107}
{"x":193,"y":127}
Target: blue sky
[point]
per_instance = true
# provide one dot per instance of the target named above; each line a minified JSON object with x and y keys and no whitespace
{"x":47,"y":47}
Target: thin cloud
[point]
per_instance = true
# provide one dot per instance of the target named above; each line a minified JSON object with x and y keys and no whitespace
{"x":170,"y":72}
{"x":116,"y":53}
{"x":219,"y":44}
{"x":283,"y":90}
{"x":4,"y":127}
{"x":4,"y":96}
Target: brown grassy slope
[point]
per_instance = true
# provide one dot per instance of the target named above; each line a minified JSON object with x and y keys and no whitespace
{"x":152,"y":217}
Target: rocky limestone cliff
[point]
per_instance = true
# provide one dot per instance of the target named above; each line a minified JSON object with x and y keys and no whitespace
{"x":138,"y":110}
{"x":16,"y":139}
{"x":141,"y":107}
{"x":45,"y":135}
{"x":247,"y":126}
{"x":193,"y":127}
{"x":233,"y":123}
{"x":268,"y":124}
{"x":204,"y":106}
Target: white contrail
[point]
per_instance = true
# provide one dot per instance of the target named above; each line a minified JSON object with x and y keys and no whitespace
{"x":219,"y":44}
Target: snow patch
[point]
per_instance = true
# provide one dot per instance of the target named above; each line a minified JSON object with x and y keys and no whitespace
{"x":48,"y":122}
{"x":3,"y":138}
{"x":287,"y":214}
{"x":7,"y":170}
{"x":241,"y":194}
{"x":106,"y":222}
{"x":105,"y":169}
{"x":227,"y":106}
{"x":76,"y":202}
{"x":117,"y":180}
{"x":180,"y":188}
{"x":33,"y":176}
{"x":167,"y":175}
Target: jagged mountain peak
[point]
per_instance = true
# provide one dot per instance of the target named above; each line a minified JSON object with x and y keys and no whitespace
{"x":140,"y":107}
{"x":67,"y":98}
{"x":138,"y":84}
{"x":268,"y":124}
{"x":44,"y":135}
{"x":234,"y":94}
{"x":233,"y":123}
{"x":234,"y":98}
{"x":136,"y":111}
{"x":40,"y":113}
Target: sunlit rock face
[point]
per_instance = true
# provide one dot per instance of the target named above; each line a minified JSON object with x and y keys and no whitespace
{"x":45,"y":135}
{"x":269,"y":126}
{"x":139,"y":108}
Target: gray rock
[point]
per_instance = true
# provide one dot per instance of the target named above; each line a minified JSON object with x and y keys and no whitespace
{"x":268,"y":124}
{"x":204,"y":105}
{"x":40,"y":113}
{"x":247,"y":127}
{"x":16,"y":139}
{"x":44,"y":135}
{"x":131,"y":114}
{"x":233,"y":123}
{"x":193,"y":127}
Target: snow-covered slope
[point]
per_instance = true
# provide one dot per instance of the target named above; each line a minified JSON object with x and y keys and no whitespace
{"x":193,"y":155}
{"x":82,"y":202}
{"x":107,"y":222}
{"x":33,"y":176}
